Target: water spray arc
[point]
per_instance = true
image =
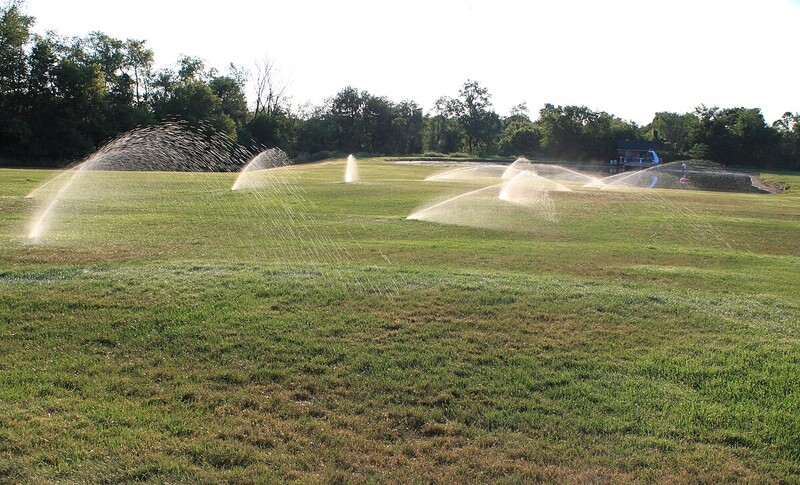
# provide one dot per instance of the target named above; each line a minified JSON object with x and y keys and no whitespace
{"x":471,"y":173}
{"x":513,"y":169}
{"x":70,"y":172}
{"x":416,"y":215}
{"x":526,"y":186}
{"x":251,"y":174}
{"x":447,"y":175}
{"x":39,"y":223}
{"x":169,"y":147}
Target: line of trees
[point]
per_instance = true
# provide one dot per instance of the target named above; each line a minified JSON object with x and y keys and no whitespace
{"x":61,"y":97}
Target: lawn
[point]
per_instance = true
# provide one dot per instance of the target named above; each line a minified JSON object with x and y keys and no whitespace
{"x":168,"y":329}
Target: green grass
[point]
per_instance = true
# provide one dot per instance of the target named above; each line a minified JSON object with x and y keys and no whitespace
{"x":170,"y":330}
{"x":790,"y":181}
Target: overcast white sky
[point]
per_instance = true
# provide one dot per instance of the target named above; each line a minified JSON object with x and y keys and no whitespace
{"x":631,"y":58}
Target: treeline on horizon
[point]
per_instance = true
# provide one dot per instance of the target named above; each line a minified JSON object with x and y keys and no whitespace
{"x":62,"y":97}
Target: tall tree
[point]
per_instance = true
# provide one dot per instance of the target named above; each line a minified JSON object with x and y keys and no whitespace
{"x":270,"y":88}
{"x":376,"y":124}
{"x":674,"y":131}
{"x":480,"y":124}
{"x":191,"y":69}
{"x":520,"y":135}
{"x":139,"y":63}
{"x":443,"y":132}
{"x":108,"y":54}
{"x":408,"y":126}
{"x":519,"y":112}
{"x":14,"y":36}
{"x":346,"y":109}
{"x":788,"y":128}
{"x":232,"y":99}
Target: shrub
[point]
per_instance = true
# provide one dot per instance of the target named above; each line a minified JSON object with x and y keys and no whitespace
{"x":315,"y":157}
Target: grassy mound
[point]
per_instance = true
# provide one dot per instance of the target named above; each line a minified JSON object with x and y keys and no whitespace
{"x":168,"y":329}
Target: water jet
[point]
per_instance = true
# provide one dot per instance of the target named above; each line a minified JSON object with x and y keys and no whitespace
{"x":416,"y":215}
{"x":351,"y":170}
{"x":513,"y":169}
{"x":58,"y":178}
{"x":470,"y":173}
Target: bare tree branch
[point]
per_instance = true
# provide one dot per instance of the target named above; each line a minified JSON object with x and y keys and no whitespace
{"x":270,"y":88}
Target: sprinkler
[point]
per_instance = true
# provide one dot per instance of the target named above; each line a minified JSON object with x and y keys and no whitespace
{"x":684,"y":179}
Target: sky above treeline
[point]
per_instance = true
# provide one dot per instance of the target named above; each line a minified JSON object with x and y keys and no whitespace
{"x":629,"y":58}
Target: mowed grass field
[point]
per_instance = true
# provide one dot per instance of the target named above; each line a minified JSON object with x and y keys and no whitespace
{"x":167,"y":329}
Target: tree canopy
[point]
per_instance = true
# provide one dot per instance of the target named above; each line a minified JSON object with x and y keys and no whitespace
{"x":60,"y":97}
